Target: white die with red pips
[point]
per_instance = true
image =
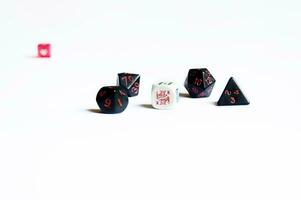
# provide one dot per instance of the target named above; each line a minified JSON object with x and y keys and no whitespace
{"x":165,"y":95}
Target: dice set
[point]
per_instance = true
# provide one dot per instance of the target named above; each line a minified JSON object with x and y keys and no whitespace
{"x":199,"y":83}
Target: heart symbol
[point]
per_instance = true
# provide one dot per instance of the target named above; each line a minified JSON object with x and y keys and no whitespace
{"x":43,"y":52}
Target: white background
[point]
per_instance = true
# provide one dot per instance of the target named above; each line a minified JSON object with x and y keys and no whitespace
{"x":54,"y":146}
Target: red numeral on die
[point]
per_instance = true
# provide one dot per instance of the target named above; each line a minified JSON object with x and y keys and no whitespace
{"x":108,"y":103}
{"x":127,"y":79}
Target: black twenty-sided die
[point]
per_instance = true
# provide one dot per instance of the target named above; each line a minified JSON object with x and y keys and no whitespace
{"x":130,"y":82}
{"x":112,"y":99}
{"x":232,"y":95}
{"x":199,"y":83}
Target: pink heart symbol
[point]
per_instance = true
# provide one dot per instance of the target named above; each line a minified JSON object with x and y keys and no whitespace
{"x":44,"y":52}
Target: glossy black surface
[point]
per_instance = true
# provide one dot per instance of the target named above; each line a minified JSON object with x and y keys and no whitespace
{"x":112,"y":99}
{"x":199,"y":83}
{"x":129,"y":82}
{"x":232,"y":95}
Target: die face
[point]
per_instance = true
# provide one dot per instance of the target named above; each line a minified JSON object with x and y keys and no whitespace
{"x":44,"y":50}
{"x":112,"y":99}
{"x":208,"y":78}
{"x":199,"y":83}
{"x":130,"y":82}
{"x":232,"y":95}
{"x":165,"y":95}
{"x":195,"y":78}
{"x":134,"y":89}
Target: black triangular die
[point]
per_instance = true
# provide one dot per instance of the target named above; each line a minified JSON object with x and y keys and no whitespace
{"x":232,"y":95}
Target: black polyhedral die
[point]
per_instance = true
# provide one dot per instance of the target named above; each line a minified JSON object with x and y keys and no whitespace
{"x":199,"y":83}
{"x":130,"y":82}
{"x":232,"y":95}
{"x":112,"y":99}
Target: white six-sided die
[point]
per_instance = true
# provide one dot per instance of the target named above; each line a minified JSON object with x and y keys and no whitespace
{"x":165,"y":95}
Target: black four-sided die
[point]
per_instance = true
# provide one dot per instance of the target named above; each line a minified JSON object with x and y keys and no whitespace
{"x":112,"y":99}
{"x":199,"y":83}
{"x":232,"y":95}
